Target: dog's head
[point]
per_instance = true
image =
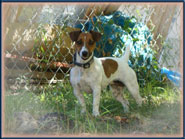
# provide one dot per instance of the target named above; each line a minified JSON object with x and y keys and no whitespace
{"x":85,"y":43}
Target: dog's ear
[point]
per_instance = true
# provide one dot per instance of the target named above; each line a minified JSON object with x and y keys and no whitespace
{"x":74,"y":35}
{"x":96,"y":35}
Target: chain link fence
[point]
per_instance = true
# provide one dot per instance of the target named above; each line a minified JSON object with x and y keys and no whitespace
{"x":38,"y":50}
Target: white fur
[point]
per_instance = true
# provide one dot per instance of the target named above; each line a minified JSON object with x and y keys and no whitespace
{"x":93,"y":80}
{"x":82,"y":50}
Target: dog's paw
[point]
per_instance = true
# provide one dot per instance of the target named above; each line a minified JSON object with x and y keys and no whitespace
{"x":126,"y":109}
{"x":139,"y":101}
{"x":83,"y":111}
{"x":95,"y":114}
{"x":126,"y":106}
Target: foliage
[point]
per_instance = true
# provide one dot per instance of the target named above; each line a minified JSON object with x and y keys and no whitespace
{"x":47,"y":42}
{"x":61,"y":99}
{"x":57,"y":97}
{"x":148,"y":71}
{"x":52,"y":44}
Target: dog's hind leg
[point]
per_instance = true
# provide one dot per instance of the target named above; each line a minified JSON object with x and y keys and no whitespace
{"x":117,"y":92}
{"x":133,"y":87}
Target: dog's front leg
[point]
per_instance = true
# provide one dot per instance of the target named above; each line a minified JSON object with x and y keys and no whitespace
{"x":96,"y":100}
{"x":80,"y":98}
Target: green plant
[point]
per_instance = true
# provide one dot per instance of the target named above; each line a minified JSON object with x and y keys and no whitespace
{"x":57,"y":97}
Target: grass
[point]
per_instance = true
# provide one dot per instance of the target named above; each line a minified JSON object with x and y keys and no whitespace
{"x":160,"y":113}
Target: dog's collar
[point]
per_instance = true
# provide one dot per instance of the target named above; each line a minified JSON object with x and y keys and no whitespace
{"x":83,"y":65}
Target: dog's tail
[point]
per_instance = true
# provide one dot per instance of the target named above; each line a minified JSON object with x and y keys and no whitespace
{"x":127,"y":52}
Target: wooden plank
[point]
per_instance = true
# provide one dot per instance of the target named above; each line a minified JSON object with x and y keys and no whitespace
{"x":33,"y":64}
{"x":161,"y":19}
{"x":98,"y":9}
{"x":33,"y":70}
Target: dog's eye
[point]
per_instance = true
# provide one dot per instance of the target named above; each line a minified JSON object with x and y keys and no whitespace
{"x":79,"y":42}
{"x":91,"y":42}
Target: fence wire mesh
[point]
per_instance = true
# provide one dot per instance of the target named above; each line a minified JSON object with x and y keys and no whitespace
{"x":38,"y":49}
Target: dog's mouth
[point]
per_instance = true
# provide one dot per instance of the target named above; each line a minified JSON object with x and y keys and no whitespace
{"x":86,"y":57}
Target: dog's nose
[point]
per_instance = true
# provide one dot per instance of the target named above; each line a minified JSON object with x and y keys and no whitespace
{"x":84,"y":53}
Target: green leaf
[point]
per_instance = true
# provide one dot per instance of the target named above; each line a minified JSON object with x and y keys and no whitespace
{"x":138,"y":12}
{"x":111,"y":22}
{"x":42,"y":49}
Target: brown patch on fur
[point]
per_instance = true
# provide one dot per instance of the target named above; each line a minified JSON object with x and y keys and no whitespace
{"x":96,"y":36}
{"x":74,"y":35}
{"x":109,"y":66}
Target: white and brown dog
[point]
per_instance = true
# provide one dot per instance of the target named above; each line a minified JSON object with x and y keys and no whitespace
{"x":91,"y":74}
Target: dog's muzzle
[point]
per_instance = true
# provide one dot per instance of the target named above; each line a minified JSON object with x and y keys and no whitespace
{"x":85,"y":55}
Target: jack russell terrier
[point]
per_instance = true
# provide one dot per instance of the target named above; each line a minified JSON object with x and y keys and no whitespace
{"x":91,"y":74}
